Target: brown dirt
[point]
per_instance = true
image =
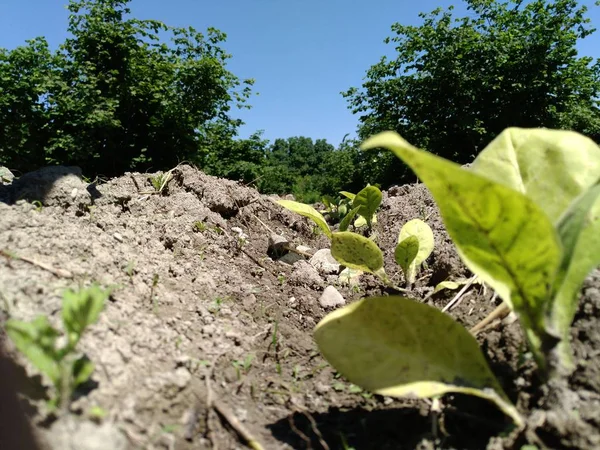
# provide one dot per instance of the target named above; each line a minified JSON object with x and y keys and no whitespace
{"x":238,"y":323}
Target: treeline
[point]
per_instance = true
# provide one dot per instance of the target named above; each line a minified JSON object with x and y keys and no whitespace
{"x":124,"y":94}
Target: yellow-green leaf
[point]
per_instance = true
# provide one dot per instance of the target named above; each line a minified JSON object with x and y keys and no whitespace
{"x":552,"y":167}
{"x":367,"y":200}
{"x":357,"y":252}
{"x":405,"y":253}
{"x":398,"y":347}
{"x":500,"y":234}
{"x":423,"y":233}
{"x":307,"y":211}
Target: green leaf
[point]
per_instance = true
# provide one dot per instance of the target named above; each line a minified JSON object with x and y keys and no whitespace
{"x":501,"y":235}
{"x":552,"y":167}
{"x":347,"y":194}
{"x":405,"y":254}
{"x":81,"y":371}
{"x":357,"y":252}
{"x":307,"y":211}
{"x":367,"y":200}
{"x":345,"y":223}
{"x":37,"y":341}
{"x":80,"y":309}
{"x":424,"y":235}
{"x":362,"y":222}
{"x":398,"y":347}
{"x":452,"y":285}
{"x":579,"y":230}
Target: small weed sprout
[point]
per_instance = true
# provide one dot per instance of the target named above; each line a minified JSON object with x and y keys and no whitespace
{"x":199,"y":226}
{"x":281,"y":279}
{"x":242,"y":367}
{"x":41,"y":344}
{"x":38,"y":205}
{"x":160,"y":182}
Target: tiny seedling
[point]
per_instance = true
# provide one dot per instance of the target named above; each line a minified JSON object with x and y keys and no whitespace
{"x":199,"y":226}
{"x":242,"y":367}
{"x":335,"y":208}
{"x":38,"y":205}
{"x":54,"y":353}
{"x":281,"y":279}
{"x":153,"y":297}
{"x":160,"y":182}
{"x":130,"y":269}
{"x":415,"y":244}
{"x":215,"y":307}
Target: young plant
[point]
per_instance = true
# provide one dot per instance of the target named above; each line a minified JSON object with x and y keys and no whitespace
{"x":39,"y":342}
{"x":365,"y":203}
{"x":348,"y":248}
{"x":526,"y":220}
{"x":415,"y":244}
{"x":159,"y":182}
{"x":335,"y":208}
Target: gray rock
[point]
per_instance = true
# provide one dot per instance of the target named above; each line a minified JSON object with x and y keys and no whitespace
{"x":6,"y":176}
{"x":305,"y":274}
{"x":324,"y":262}
{"x":53,"y":186}
{"x":331,"y":298}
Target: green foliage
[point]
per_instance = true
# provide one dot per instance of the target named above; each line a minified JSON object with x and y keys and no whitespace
{"x":536,"y":265}
{"x":455,"y":83}
{"x":114,"y":96}
{"x":307,"y":211}
{"x":357,"y":252}
{"x":397,"y":347}
{"x":336,"y":209}
{"x":305,"y":168}
{"x":39,"y":341}
{"x":415,"y":244}
{"x":367,"y":201}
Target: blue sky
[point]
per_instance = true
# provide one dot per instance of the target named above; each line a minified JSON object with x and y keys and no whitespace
{"x":302,"y":53}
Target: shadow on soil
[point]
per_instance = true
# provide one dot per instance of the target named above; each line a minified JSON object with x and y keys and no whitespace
{"x":397,"y":428}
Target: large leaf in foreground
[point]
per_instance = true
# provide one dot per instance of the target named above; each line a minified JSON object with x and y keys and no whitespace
{"x":398,"y":347}
{"x":579,"y":230}
{"x":552,"y":167}
{"x":500,"y":234}
{"x":307,"y":211}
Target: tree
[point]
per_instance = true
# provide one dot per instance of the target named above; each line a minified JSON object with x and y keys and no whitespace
{"x":26,"y":74}
{"x":456,"y":83}
{"x":117,"y":98}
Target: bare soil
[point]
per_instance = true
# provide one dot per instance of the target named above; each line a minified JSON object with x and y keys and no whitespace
{"x":197,"y":313}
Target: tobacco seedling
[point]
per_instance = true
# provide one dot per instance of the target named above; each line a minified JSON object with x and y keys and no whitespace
{"x":354,"y":250}
{"x":415,"y":244}
{"x":54,"y":353}
{"x":335,"y":208}
{"x":364,"y":204}
{"x":525,"y":218}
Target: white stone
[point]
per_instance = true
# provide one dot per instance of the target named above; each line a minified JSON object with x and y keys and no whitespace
{"x":324,"y":262}
{"x":331,"y":298}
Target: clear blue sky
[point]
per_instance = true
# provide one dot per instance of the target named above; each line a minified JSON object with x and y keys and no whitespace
{"x":302,"y":53}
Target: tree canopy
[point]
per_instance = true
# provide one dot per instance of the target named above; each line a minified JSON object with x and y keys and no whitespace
{"x":457,"y":82}
{"x":115,"y":97}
